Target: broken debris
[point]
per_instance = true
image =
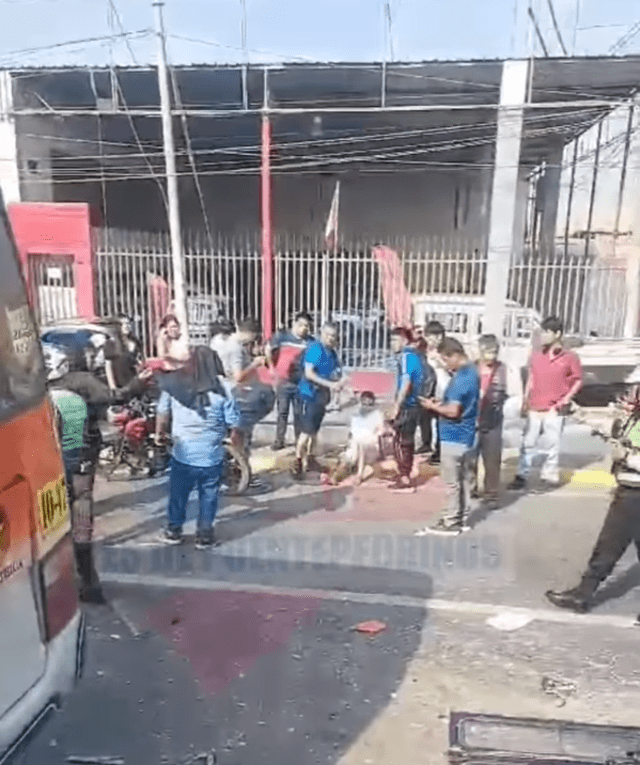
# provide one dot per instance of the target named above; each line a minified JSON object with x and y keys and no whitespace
{"x":372,"y":627}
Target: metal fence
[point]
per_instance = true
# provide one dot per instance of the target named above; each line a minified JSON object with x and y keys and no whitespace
{"x":588,"y":294}
{"x":446,"y":279}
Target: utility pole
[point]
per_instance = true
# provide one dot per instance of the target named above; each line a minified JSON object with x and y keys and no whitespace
{"x":175,"y":230}
{"x":267,"y":231}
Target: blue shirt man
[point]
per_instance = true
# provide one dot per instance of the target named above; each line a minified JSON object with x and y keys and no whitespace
{"x":411,"y":370}
{"x":410,"y":376}
{"x":325,"y":363}
{"x":464,"y":389}
{"x":202,"y":412}
{"x":199,"y":441}
{"x":458,"y":414}
{"x":320,"y":376}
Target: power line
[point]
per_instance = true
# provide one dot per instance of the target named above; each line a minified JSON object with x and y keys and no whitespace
{"x":84,"y":40}
{"x":132,"y":124}
{"x":387,"y":6}
{"x":118,"y":18}
{"x":556,"y":27}
{"x":532,"y":16}
{"x":625,"y":39}
{"x":589,"y":117}
{"x":575,"y":28}
{"x":356,"y":157}
{"x":192,"y":159}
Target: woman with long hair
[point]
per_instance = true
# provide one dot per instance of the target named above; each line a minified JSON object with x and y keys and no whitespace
{"x":171,"y":346}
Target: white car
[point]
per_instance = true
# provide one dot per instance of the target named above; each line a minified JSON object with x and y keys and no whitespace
{"x":463,"y":314}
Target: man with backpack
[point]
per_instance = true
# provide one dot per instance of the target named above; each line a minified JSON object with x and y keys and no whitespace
{"x":284,"y":354}
{"x":415,"y":378}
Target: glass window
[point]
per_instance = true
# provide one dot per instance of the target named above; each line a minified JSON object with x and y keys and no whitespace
{"x":22,"y":381}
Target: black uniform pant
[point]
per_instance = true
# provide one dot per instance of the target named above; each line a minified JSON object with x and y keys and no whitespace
{"x":621,"y":527}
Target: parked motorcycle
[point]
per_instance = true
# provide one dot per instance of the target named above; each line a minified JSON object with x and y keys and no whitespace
{"x":130,"y":445}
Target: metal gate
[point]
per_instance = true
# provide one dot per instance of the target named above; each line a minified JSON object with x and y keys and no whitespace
{"x":54,"y":288}
{"x":445,"y":279}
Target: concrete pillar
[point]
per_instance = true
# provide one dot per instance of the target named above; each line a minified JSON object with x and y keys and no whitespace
{"x":520,"y":214}
{"x":504,"y":195}
{"x":9,"y":175}
{"x":550,"y":190}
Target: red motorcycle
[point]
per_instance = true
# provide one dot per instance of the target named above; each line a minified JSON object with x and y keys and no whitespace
{"x":128,"y":442}
{"x":131,"y":445}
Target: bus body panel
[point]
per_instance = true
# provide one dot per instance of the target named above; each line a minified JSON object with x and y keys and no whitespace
{"x":58,"y":680}
{"x":41,"y":630}
{"x":32,"y":524}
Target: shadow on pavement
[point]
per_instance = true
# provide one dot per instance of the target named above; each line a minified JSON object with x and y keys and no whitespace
{"x":257,"y":512}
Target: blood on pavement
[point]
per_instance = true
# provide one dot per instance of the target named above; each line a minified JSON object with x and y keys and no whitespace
{"x":375,"y":501}
{"x":223,"y":634}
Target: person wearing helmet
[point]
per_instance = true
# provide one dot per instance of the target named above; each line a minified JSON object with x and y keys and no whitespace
{"x":80,"y":400}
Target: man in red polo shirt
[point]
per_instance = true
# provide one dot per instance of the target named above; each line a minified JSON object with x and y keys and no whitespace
{"x":555,"y":376}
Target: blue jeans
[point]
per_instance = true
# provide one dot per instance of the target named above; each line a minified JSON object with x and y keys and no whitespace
{"x":182,"y":479}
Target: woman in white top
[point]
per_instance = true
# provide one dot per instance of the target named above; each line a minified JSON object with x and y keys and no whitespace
{"x":172,"y":347}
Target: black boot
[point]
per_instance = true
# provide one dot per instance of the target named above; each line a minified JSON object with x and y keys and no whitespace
{"x":89,"y":590}
{"x":578,"y":599}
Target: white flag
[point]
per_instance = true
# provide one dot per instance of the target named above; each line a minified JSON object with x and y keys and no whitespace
{"x":331,"y":230}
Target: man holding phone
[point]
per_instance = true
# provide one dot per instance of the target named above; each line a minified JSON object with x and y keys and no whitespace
{"x":457,"y":424}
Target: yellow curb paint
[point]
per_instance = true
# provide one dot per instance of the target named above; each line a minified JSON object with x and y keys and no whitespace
{"x":596,"y":478}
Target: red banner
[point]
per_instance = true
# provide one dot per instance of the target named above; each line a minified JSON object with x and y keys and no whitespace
{"x":159,"y":298}
{"x":397,"y":300}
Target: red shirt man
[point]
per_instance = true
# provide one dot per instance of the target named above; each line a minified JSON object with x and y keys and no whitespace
{"x":555,"y":376}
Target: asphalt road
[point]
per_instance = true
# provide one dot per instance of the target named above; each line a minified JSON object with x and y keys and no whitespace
{"x":250,"y":650}
{"x":257,"y":677}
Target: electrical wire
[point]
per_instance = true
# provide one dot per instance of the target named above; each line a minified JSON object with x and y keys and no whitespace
{"x":190,"y":154}
{"x":118,"y":18}
{"x":327,"y":159}
{"x":338,"y":160}
{"x":101,"y":38}
{"x":398,"y":150}
{"x":625,"y":39}
{"x":589,"y":116}
{"x":116,"y":81}
{"x":552,"y":11}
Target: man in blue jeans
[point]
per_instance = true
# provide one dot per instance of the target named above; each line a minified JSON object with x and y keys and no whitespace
{"x":202,"y":412}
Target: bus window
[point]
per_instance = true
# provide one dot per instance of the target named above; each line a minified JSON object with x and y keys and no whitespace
{"x":21,"y":364}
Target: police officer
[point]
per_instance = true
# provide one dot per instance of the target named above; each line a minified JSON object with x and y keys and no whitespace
{"x":621,"y":526}
{"x":80,"y":400}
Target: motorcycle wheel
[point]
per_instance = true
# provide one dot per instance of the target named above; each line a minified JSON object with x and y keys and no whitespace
{"x":237,"y":473}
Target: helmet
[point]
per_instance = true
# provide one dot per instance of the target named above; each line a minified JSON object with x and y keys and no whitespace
{"x":56,"y":361}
